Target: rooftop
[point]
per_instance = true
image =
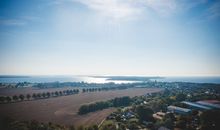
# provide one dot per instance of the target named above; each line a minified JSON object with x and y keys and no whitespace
{"x":179,"y":108}
{"x":210,"y":103}
{"x":196,"y":105}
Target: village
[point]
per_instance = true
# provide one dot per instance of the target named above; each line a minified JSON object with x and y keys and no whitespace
{"x":167,"y":111}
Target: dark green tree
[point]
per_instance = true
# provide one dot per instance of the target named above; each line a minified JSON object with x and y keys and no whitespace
{"x":144,"y":113}
{"x":80,"y":128}
{"x":210,"y":120}
{"x":180,"y":97}
{"x":2,"y":99}
{"x":72,"y":127}
{"x":28,"y":96}
{"x":34,"y":95}
{"x":56,"y":93}
{"x":8,"y":99}
{"x":15,"y":98}
{"x":39,"y":95}
{"x":44,"y":95}
{"x":48,"y":94}
{"x":21,"y":96}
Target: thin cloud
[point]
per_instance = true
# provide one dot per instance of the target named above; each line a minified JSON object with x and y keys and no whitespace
{"x":129,"y":9}
{"x":21,"y":21}
{"x":162,"y":7}
{"x":188,"y":4}
{"x":12,"y":22}
{"x":213,"y":11}
{"x":31,"y":18}
{"x":115,"y":9}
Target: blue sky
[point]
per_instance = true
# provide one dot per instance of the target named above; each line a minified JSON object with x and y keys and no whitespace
{"x":110,"y":37}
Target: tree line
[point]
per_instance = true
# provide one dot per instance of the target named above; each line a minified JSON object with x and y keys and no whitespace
{"x":116,"y":102}
{"x":82,"y":84}
{"x":104,"y":89}
{"x":34,"y":96}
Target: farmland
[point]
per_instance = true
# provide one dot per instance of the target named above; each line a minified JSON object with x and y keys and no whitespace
{"x":63,"y":110}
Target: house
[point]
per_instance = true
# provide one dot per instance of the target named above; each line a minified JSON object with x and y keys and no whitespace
{"x":196,"y":106}
{"x":214,"y":104}
{"x":159,"y":115}
{"x":178,"y":110}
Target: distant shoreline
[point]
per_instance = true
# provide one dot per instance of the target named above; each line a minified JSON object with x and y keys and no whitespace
{"x":13,"y":76}
{"x":128,"y":78}
{"x":107,"y":79}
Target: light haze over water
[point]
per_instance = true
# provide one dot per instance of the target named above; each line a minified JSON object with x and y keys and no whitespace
{"x":90,"y":79}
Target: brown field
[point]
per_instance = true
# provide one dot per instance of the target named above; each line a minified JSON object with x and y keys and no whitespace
{"x":63,"y":110}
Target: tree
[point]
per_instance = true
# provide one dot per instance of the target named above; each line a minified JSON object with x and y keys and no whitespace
{"x":76,"y":90}
{"x":34,"y":96}
{"x":28,"y":96}
{"x":195,"y":112}
{"x":72,"y":127}
{"x":8,"y":99}
{"x":39,"y":95}
{"x":72,"y":91}
{"x":122,"y":101}
{"x":122,"y":126}
{"x":83,"y":109}
{"x":52,"y":94}
{"x":48,"y":94}
{"x":144,"y":113}
{"x":133,"y":126}
{"x":56,"y":93}
{"x":2,"y":99}
{"x":21,"y":96}
{"x":67,"y":92}
{"x":109,"y":127}
{"x":116,"y":102}
{"x":118,"y":118}
{"x":64,"y":92}
{"x":170,"y":116}
{"x":10,"y":124}
{"x":5,"y":123}
{"x":180,"y":97}
{"x":44,"y":95}
{"x":80,"y":128}
{"x":181,"y":122}
{"x":168,"y":123}
{"x":210,"y":120}
{"x":15,"y":97}
{"x":60,"y":93}
{"x":94,"y":127}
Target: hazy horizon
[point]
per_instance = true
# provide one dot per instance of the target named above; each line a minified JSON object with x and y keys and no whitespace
{"x":110,"y":37}
{"x":105,"y":75}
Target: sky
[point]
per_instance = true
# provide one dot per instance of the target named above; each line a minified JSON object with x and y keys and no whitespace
{"x":110,"y":37}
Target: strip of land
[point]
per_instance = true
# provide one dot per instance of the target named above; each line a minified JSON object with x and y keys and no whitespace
{"x":63,"y":110}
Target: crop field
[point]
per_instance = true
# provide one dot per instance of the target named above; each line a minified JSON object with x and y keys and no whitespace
{"x":63,"y":110}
